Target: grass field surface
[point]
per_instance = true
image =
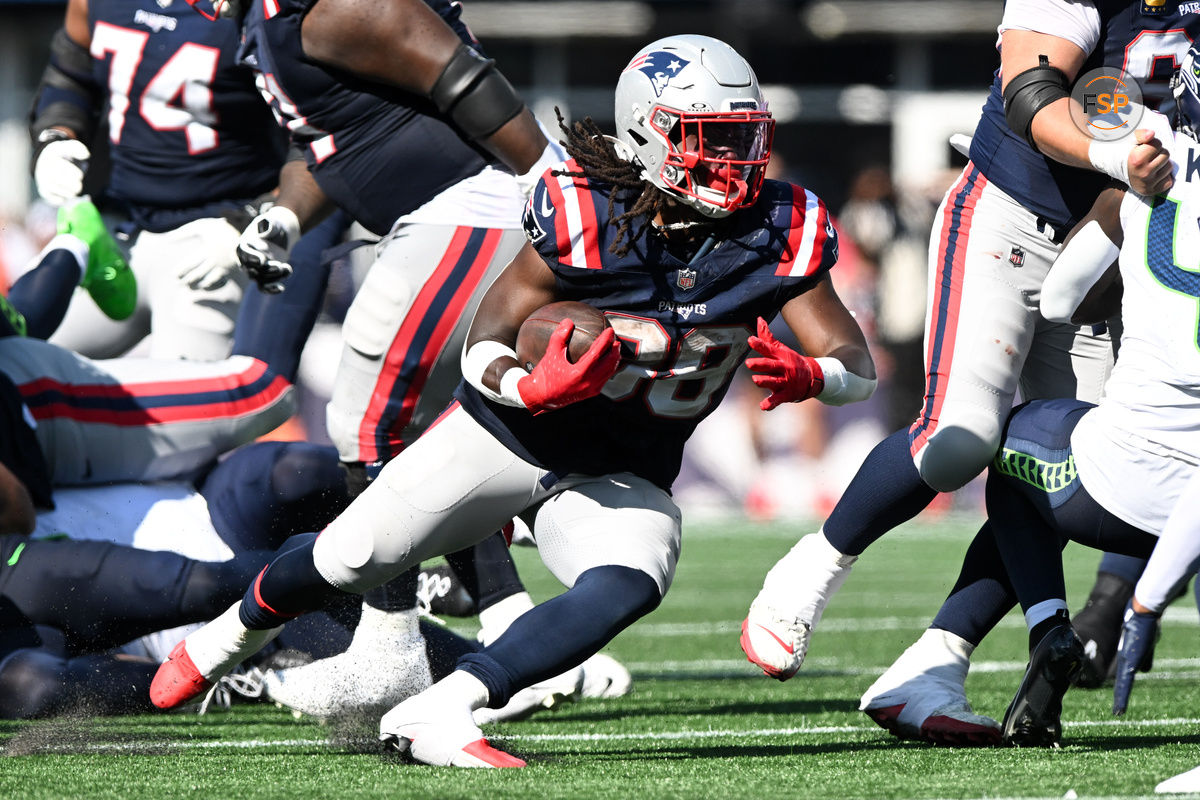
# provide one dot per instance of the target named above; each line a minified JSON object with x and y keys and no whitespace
{"x":701,"y":722}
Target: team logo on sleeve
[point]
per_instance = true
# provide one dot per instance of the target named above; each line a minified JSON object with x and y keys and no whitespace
{"x":660,"y":67}
{"x":533,"y":228}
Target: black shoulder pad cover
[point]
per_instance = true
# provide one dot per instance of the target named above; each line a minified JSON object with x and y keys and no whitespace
{"x":474,"y":94}
{"x":67,"y":95}
{"x":1029,"y":92}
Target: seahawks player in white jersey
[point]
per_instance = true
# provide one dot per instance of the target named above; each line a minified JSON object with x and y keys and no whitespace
{"x":1108,"y":475}
{"x":1032,"y":175}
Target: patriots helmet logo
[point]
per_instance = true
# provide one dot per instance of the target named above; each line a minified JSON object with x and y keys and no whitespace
{"x":660,"y":67}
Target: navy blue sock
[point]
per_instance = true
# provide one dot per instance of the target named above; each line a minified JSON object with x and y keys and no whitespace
{"x":287,"y":587}
{"x":43,"y":293}
{"x":274,"y":327}
{"x":981,"y":596}
{"x":563,"y":632}
{"x":1127,"y":568}
{"x":398,"y":594}
{"x":886,"y":491}
{"x":487,"y":571}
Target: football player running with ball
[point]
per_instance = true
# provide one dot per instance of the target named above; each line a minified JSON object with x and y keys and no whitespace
{"x":671,"y":230}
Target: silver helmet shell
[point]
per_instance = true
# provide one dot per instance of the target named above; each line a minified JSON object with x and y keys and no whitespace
{"x":690,"y":110}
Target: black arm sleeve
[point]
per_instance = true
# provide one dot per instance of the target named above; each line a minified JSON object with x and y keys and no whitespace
{"x":1028,"y":93}
{"x":474,"y":94}
{"x":68,"y":94}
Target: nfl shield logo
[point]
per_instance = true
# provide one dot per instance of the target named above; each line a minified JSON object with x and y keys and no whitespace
{"x":1017,"y":257}
{"x":685,"y":278}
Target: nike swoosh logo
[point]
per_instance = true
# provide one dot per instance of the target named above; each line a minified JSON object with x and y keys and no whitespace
{"x":782,"y":644}
{"x":547,"y":209}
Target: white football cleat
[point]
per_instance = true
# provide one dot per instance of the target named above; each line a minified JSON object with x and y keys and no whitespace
{"x":1183,"y":783}
{"x":201,"y":659}
{"x":777,"y":629}
{"x":605,"y":677}
{"x":549,"y":694}
{"x":923,"y":696}
{"x":384,"y":664}
{"x":440,"y":734}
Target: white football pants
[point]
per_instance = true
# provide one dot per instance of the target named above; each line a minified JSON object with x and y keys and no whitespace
{"x":985,"y":336}
{"x":457,"y":484}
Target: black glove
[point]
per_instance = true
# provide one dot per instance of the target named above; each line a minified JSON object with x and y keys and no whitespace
{"x":1134,"y":650}
{"x":265,"y":246}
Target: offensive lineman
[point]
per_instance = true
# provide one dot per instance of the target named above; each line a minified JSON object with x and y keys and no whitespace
{"x":192,"y":149}
{"x":407,"y":127}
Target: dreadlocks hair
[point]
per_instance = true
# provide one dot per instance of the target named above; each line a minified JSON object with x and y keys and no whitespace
{"x":598,"y":160}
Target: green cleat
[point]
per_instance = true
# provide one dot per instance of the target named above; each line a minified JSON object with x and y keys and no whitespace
{"x":108,"y":278}
{"x":15,"y":318}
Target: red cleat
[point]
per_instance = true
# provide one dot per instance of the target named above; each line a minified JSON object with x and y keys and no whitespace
{"x":441,"y":735}
{"x":177,"y":680}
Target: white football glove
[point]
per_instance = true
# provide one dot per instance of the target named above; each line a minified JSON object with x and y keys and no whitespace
{"x":266,"y":245}
{"x":58,"y":173}
{"x":214,"y":254}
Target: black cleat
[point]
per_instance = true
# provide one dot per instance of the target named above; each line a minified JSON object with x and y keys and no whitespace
{"x":1098,"y":626}
{"x":441,"y":593}
{"x":1034,"y":716}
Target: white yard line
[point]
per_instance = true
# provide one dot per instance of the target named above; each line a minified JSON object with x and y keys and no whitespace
{"x":1184,"y":614}
{"x":644,"y":736}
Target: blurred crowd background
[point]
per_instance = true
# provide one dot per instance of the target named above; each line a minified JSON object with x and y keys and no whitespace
{"x":866,"y":94}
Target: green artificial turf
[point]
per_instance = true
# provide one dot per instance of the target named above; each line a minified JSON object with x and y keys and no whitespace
{"x":700,"y":721}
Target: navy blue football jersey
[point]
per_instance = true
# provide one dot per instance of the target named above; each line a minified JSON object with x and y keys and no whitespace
{"x":19,"y":448}
{"x":683,"y":325}
{"x":379,"y":152}
{"x":1147,"y":41}
{"x":187,"y":125}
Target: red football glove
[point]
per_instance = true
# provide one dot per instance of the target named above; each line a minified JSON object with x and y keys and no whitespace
{"x":556,"y":382}
{"x":790,"y":376}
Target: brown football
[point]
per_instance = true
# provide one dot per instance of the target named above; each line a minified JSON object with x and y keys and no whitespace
{"x":535,"y":331}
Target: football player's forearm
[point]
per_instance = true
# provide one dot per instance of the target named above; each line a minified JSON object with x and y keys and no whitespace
{"x":67,"y":99}
{"x":1175,"y":556}
{"x":1056,"y":135}
{"x":519,"y":143}
{"x":298,"y":191}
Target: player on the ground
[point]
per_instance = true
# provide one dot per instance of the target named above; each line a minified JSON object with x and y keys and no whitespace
{"x":670,"y":229}
{"x":85,"y":621}
{"x":1110,"y":475}
{"x":137,"y":419}
{"x":996,"y":233}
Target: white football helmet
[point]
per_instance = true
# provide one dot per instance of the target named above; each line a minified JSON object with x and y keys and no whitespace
{"x":691,"y":111}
